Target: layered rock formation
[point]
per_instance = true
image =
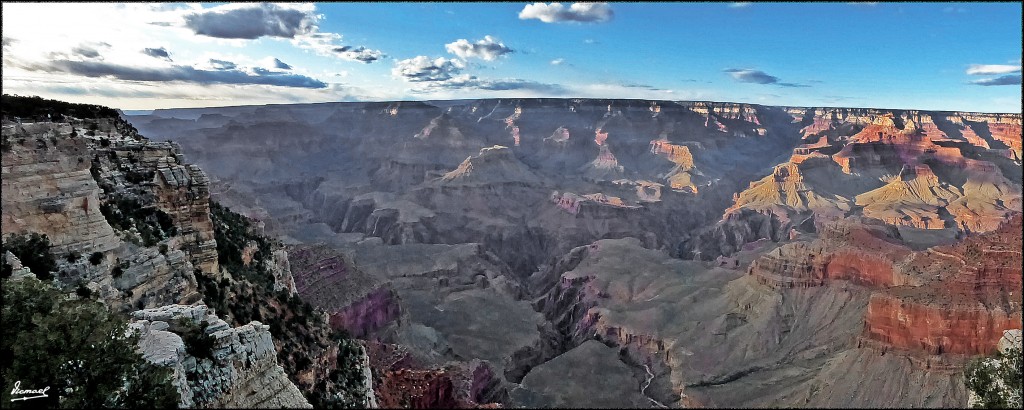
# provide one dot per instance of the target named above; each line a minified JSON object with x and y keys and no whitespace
{"x":947,"y":300}
{"x":972,"y":297}
{"x":242,"y":370}
{"x":132,"y":223}
{"x":47,"y":188}
{"x":827,"y":209}
{"x":908,"y":168}
{"x":155,"y":175}
{"x":356,"y":302}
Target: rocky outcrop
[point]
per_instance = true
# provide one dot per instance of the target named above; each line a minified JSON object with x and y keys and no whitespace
{"x":492,"y":165}
{"x":451,"y":387}
{"x":47,"y":188}
{"x":154,"y":174}
{"x":241,"y":371}
{"x":282,"y":271}
{"x":736,"y":229}
{"x":849,"y":250}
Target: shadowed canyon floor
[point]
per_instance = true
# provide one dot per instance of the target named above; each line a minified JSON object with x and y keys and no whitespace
{"x":557,"y":252}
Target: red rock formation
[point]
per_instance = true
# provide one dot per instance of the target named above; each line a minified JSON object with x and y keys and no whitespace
{"x":943,"y":181}
{"x":864,"y":255}
{"x":948,"y":300}
{"x":937,"y":327}
{"x":678,"y":154}
{"x":1009,"y":134}
{"x":962,"y":312}
{"x":600,"y":136}
{"x":401,"y":382}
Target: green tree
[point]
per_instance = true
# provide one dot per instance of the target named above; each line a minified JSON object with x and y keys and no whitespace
{"x":78,"y":349}
{"x":996,"y":381}
{"x":34,"y":252}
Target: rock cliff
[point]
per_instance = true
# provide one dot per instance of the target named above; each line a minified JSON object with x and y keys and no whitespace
{"x":240,"y":371}
{"x":133,"y":224}
{"x":47,"y":188}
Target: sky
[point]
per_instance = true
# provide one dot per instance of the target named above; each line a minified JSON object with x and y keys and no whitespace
{"x":932,"y":56}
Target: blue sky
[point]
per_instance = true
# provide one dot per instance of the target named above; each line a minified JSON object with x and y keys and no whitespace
{"x":944,"y":56}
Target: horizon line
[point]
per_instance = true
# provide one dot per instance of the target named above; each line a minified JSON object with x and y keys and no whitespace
{"x":572,"y":98}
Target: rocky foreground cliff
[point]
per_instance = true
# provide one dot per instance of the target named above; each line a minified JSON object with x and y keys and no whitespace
{"x":130,"y":224}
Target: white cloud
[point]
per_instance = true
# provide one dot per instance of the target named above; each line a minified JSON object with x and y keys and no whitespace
{"x":251,"y":21}
{"x":422,"y":68}
{"x":487,"y":49}
{"x":576,"y":12}
{"x":987,"y":69}
{"x":557,"y":61}
{"x":738,"y":5}
{"x":328,"y":45}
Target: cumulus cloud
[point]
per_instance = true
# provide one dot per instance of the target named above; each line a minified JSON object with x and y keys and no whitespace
{"x":228,"y":74}
{"x":1003,"y":80}
{"x":576,"y":12}
{"x":252,"y":21}
{"x":222,"y":64}
{"x":360,"y":54}
{"x":157,"y":53}
{"x":422,"y":68}
{"x":326,"y":44}
{"x":557,"y":61}
{"x":487,"y":49}
{"x":986,"y":69}
{"x":758,"y":77}
{"x":281,"y":65}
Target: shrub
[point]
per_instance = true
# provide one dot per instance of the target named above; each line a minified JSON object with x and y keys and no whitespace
{"x":96,"y":258}
{"x":197,"y":342}
{"x":34,"y":252}
{"x":996,"y":381}
{"x":82,"y":291}
{"x":72,"y":256}
{"x":92,"y":361}
{"x":233,"y":233}
{"x":152,"y":224}
{"x":163,"y":249}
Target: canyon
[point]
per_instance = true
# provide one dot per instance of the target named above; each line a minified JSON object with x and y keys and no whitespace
{"x":717,"y":249}
{"x":561,"y":252}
